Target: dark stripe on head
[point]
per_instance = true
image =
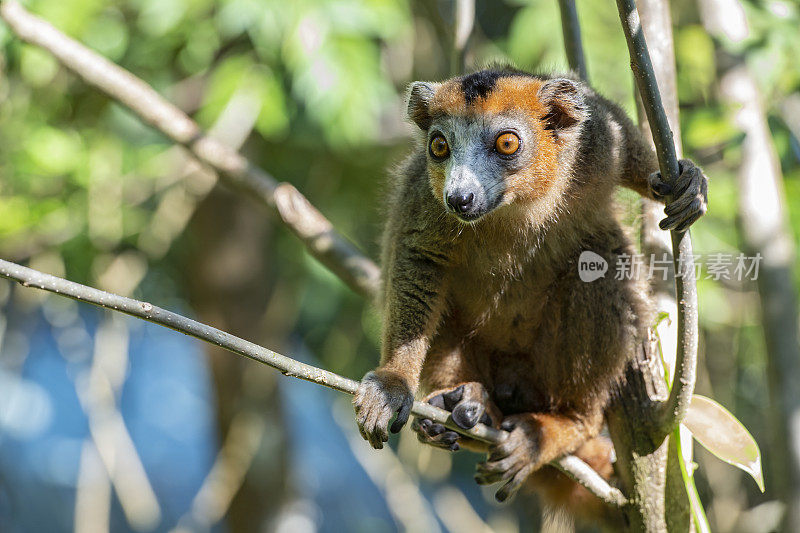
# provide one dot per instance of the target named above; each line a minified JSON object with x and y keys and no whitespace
{"x":480,"y":84}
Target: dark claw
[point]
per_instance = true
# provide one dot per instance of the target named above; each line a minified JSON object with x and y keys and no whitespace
{"x":402,"y":414}
{"x":508,"y":425}
{"x":513,"y":485}
{"x":503,"y":493}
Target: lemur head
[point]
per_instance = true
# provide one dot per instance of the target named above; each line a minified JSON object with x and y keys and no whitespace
{"x":494,"y":137}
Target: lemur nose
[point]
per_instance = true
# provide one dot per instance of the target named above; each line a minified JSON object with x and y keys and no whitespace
{"x":460,"y":202}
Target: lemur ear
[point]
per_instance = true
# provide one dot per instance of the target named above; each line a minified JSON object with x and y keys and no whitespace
{"x":420,"y":94}
{"x":565,"y":104}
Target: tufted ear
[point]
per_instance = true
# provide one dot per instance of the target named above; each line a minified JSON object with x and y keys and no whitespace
{"x":420,"y":94}
{"x":565,"y":105}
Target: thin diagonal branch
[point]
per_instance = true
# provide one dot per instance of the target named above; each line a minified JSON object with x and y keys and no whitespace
{"x":316,"y":232}
{"x":674,"y":409}
{"x":572,"y":466}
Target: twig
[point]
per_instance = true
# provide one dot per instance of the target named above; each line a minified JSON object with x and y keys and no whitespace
{"x":571,"y":466}
{"x":316,"y":232}
{"x":672,"y":411}
{"x":572,"y":38}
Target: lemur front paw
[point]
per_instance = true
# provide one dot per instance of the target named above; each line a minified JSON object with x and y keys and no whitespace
{"x":512,"y":460}
{"x":689,"y":196}
{"x":381,"y":394}
{"x":467,"y":405}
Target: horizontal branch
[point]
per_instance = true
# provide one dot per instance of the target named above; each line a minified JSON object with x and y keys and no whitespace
{"x":571,"y":466}
{"x":314,"y":230}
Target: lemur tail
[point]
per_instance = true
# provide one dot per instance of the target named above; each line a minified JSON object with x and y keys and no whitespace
{"x":560,"y":492}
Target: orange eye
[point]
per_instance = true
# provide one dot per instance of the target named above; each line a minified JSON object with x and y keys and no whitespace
{"x":507,"y":143}
{"x":439,"y":147}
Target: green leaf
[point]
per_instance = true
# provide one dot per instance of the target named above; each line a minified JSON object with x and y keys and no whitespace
{"x":723,"y":435}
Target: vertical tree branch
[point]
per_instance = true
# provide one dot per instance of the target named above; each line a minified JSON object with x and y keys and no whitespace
{"x":572,"y":38}
{"x":674,"y":409}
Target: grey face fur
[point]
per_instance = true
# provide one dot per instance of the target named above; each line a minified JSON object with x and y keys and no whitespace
{"x":475,"y":172}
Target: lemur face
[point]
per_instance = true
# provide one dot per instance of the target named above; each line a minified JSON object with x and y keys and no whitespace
{"x":493,"y":137}
{"x":472,"y":160}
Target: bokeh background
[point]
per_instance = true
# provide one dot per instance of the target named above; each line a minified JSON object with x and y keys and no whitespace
{"x":108,"y":423}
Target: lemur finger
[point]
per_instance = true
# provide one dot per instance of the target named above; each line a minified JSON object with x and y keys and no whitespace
{"x":402,"y":414}
{"x":446,"y":441}
{"x":421,"y":424}
{"x":490,"y":478}
{"x":440,"y":438}
{"x":514,"y":484}
{"x":483,"y":477}
{"x":363,"y":433}
{"x":502,"y":450}
{"x":690,"y":220}
{"x":377,"y":424}
{"x":372,"y":437}
{"x":436,"y":429}
{"x":684,"y":199}
{"x":498,"y":467}
{"x":490,"y":472}
{"x":671,"y":222}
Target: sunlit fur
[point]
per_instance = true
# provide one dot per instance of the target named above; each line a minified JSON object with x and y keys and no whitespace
{"x":498,"y":303}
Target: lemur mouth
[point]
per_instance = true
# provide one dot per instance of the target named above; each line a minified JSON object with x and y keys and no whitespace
{"x":468,"y":218}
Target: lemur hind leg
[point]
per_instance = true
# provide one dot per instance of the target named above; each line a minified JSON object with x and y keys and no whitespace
{"x":535,"y":439}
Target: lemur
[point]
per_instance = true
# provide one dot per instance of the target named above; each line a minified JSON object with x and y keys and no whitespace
{"x":512,"y":179}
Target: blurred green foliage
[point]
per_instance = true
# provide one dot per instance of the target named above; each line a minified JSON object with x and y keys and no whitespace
{"x":81,"y":176}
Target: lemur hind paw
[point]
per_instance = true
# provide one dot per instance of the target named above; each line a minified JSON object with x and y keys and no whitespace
{"x":467,"y":404}
{"x":512,"y":461}
{"x":381,"y":394}
{"x":688,"y":196}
